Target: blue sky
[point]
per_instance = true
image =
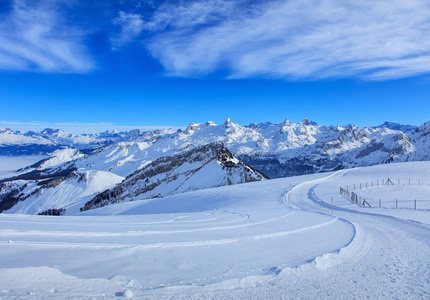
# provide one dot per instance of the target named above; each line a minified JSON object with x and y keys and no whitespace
{"x":88,"y":66}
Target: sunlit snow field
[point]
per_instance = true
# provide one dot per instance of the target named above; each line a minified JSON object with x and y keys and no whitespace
{"x":279,"y":239}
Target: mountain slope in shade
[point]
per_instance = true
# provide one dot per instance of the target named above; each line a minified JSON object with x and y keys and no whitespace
{"x":396,"y":126}
{"x":203,"y":167}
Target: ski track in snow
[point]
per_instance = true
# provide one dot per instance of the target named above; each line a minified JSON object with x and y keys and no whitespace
{"x":268,"y":242}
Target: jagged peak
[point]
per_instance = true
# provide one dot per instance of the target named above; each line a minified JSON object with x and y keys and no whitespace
{"x":51,"y":131}
{"x":425,"y":128}
{"x":228,"y":122}
{"x":193,"y":127}
{"x":287,"y":122}
{"x":6,"y":130}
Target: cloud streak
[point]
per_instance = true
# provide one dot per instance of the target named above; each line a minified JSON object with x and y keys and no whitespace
{"x":295,"y":39}
{"x":34,"y":37}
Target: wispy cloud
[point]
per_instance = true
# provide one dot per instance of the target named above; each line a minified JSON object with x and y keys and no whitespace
{"x":34,"y":36}
{"x":131,"y":25}
{"x":190,"y":13}
{"x":294,"y":39}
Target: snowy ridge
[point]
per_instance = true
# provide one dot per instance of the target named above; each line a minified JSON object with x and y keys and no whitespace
{"x":68,"y":193}
{"x":68,"y":187}
{"x":277,"y":150}
{"x":202,"y":167}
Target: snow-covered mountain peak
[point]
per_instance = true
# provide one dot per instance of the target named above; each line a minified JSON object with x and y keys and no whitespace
{"x":52,"y":131}
{"x":210,"y":123}
{"x":424,"y":129}
{"x":193,"y":127}
{"x":286,"y":122}
{"x":6,"y":130}
{"x":396,"y":126}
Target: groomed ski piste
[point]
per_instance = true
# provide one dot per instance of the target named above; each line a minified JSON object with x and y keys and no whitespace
{"x":275,"y":239}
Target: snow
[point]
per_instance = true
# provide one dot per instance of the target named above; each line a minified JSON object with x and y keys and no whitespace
{"x":71,"y":194}
{"x":61,"y":156}
{"x":272,"y":239}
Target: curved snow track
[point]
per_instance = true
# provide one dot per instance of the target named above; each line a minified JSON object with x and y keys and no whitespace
{"x":393,"y":260}
{"x":247,"y":245}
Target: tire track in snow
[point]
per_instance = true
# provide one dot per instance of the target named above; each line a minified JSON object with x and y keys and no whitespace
{"x":177,"y":244}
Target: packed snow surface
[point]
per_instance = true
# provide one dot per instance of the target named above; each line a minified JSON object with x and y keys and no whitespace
{"x":273,"y":239}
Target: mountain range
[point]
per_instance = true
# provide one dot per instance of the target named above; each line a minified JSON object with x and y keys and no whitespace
{"x":89,"y":171}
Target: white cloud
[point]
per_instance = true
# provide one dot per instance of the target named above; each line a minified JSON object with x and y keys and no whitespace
{"x":296,"y":39}
{"x":33,"y":37}
{"x":190,"y":13}
{"x":131,"y":26}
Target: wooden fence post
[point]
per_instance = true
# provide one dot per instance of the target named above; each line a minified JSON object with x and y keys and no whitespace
{"x":379,"y":203}
{"x":396,"y":203}
{"x":331,"y":205}
{"x":415,"y":204}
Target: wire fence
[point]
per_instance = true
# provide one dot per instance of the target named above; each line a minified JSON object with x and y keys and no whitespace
{"x":352,"y":194}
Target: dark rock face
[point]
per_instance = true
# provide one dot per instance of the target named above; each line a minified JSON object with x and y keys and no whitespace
{"x":53,"y":212}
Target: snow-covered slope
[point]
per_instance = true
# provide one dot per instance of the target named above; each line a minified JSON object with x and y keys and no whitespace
{"x":68,"y":188}
{"x":67,"y":194}
{"x":56,"y":158}
{"x":202,"y":167}
{"x":273,"y":239}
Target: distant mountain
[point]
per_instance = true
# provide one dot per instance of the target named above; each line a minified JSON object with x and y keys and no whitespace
{"x":163,"y":162}
{"x":14,"y":143}
{"x":396,"y":126}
